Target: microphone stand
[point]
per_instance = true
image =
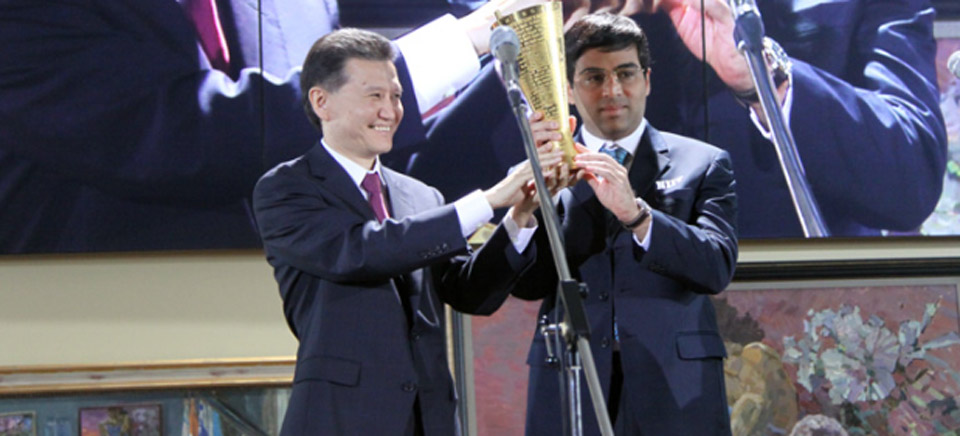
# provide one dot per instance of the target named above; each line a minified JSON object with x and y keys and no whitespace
{"x":749,"y":36}
{"x":574,"y":329}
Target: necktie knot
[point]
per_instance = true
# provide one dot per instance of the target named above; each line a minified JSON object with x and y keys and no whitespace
{"x":618,"y":153}
{"x":371,"y":184}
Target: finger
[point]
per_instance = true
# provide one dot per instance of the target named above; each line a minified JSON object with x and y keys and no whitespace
{"x":612,"y":173}
{"x":535,"y":116}
{"x":551,"y":158}
{"x":602,"y":165}
{"x":545,"y":131}
{"x":583,"y":174}
{"x":717,"y":10}
{"x":563,"y":173}
{"x":594,"y":156}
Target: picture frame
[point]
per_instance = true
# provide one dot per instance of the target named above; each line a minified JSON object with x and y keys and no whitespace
{"x":133,"y":376}
{"x":18,"y":424}
{"x":122,"y":419}
{"x":882,"y":295}
{"x":869,"y":355}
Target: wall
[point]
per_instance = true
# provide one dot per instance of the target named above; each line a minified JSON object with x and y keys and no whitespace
{"x":94,"y":309}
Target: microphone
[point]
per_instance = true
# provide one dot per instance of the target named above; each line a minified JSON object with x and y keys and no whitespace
{"x":748,"y":30}
{"x":953,"y":64}
{"x":505,"y":46}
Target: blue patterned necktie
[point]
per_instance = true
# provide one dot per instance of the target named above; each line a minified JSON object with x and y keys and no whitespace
{"x":615,"y":151}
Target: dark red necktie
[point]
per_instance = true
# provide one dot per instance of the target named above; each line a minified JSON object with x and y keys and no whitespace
{"x":371,"y":184}
{"x":204,"y":15}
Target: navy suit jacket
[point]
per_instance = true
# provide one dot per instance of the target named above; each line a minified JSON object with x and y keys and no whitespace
{"x":865,"y":117}
{"x":115,"y":136}
{"x":670,"y":347}
{"x":344,"y":279}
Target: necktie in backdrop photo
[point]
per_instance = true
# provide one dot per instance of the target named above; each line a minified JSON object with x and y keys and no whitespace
{"x":206,"y":19}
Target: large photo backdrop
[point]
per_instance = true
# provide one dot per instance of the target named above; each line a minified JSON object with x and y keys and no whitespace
{"x":133,"y":126}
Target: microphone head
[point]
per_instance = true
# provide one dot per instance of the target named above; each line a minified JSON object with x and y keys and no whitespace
{"x":504,"y":44}
{"x":953,"y":64}
{"x":741,"y":7}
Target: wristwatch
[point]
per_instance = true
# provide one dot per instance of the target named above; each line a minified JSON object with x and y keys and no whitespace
{"x":644,"y":213}
{"x":780,"y":69}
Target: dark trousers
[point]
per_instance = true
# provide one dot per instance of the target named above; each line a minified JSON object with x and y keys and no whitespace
{"x":415,"y":425}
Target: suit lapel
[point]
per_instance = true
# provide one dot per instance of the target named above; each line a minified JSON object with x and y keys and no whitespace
{"x":652,"y":159}
{"x":401,"y":202}
{"x":335,"y":179}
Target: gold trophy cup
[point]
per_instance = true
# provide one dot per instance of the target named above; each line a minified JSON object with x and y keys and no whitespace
{"x":542,"y":65}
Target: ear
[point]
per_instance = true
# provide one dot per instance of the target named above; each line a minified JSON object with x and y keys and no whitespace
{"x":647,"y":74}
{"x":318,"y":101}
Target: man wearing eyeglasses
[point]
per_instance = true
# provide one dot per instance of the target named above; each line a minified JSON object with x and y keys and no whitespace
{"x":650,"y":227}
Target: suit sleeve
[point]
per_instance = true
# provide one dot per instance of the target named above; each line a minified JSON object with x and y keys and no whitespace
{"x":314,"y":231}
{"x":579,"y":242}
{"x":481,"y":282}
{"x":874,"y":138}
{"x":100,"y":93}
{"x":701,"y":253}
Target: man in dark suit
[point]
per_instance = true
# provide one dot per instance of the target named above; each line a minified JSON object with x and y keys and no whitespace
{"x":651,"y":237}
{"x":365,"y":256}
{"x":861,"y":99}
{"x":143,"y":125}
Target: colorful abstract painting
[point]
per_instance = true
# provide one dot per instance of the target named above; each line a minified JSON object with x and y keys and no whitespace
{"x":121,"y":420}
{"x":18,"y":424}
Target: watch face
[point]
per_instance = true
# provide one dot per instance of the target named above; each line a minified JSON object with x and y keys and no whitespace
{"x":780,"y":64}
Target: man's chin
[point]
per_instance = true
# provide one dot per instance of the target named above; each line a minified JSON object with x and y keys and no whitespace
{"x":614,"y":132}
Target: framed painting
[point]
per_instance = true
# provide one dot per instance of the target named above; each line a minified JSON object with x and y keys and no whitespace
{"x":871,"y":349}
{"x":870,"y":356}
{"x":18,"y":424}
{"x":121,"y":420}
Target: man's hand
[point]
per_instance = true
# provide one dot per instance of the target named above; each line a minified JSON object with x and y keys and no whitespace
{"x":478,"y":24}
{"x":610,"y":183}
{"x":718,"y":22}
{"x":518,"y":188}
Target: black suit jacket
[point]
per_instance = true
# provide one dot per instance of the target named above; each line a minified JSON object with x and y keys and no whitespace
{"x":345,"y":278}
{"x":115,"y":136}
{"x":670,"y":347}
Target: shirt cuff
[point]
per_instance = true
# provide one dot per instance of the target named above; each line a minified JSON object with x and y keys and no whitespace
{"x":520,"y":236}
{"x":787,"y":105}
{"x":645,"y":243}
{"x":440,"y":58}
{"x":473,"y":210}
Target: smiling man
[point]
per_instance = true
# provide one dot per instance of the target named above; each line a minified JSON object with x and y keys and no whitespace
{"x":365,"y":257}
{"x":651,"y":229}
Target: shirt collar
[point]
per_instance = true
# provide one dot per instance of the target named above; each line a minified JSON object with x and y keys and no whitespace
{"x":629,"y":142}
{"x":356,"y":172}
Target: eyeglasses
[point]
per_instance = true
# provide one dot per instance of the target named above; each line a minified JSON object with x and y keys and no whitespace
{"x":595,"y":78}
